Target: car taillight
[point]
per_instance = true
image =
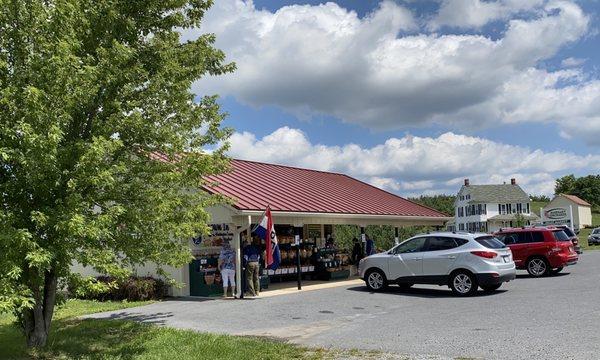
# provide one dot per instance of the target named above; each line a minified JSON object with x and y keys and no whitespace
{"x":485,"y":254}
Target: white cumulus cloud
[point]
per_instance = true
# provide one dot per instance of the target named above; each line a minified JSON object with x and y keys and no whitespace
{"x":477,"y":13}
{"x":414,"y":165}
{"x":383,"y":71}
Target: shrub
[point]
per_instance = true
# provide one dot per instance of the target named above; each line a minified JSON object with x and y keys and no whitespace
{"x":134,"y":288}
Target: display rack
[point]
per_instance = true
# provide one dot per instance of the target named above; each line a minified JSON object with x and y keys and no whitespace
{"x":331,"y":264}
{"x":205,"y":277}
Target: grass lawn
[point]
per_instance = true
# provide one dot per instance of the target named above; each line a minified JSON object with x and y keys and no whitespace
{"x":584,"y":233}
{"x":536,"y":205}
{"x":72,"y":338}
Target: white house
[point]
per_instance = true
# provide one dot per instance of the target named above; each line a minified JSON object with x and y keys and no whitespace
{"x":559,"y":211}
{"x":487,"y":208}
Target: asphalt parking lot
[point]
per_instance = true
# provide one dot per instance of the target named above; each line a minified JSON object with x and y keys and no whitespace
{"x":549,"y":318}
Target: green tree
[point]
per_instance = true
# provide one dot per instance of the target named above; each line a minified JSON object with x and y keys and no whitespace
{"x":520,"y":220}
{"x":539,"y":198}
{"x":588,"y":189}
{"x":565,"y":184}
{"x":443,"y":203}
{"x":585,"y":187}
{"x":382,"y":235}
{"x":100,"y":142}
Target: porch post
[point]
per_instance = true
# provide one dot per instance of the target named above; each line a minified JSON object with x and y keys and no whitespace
{"x":363,"y":240}
{"x":237,"y":245}
{"x":297,"y":240}
{"x":239,"y":269}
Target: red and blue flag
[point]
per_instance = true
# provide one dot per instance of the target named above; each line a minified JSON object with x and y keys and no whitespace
{"x":266,"y":230}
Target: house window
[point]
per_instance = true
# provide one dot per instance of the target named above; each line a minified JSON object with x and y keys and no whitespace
{"x":528,"y":208}
{"x":485,"y":209}
{"x":503,"y":212}
{"x":509,"y":208}
{"x":479,"y":210}
{"x":519,"y":208}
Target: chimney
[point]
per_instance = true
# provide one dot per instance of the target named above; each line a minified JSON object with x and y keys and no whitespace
{"x":513,"y":181}
{"x":466,"y":182}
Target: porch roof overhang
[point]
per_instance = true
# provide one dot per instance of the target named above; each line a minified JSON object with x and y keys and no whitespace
{"x":306,"y":218}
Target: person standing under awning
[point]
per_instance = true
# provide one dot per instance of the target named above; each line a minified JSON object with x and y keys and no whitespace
{"x":252,"y":258}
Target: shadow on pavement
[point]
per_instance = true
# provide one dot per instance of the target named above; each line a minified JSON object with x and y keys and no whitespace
{"x":527,"y":276}
{"x":156,"y":318}
{"x":194,"y":298}
{"x":422,"y":292}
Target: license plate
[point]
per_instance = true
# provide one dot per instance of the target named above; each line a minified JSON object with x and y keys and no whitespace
{"x":506,"y":258}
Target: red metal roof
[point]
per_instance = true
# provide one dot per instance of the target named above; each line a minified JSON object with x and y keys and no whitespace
{"x":254,"y":185}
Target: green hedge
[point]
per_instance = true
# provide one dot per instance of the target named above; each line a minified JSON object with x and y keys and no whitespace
{"x":106,"y":288}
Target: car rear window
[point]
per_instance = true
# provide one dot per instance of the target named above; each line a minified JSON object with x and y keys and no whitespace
{"x":490,"y":242}
{"x":568,"y":231}
{"x":560,"y":236}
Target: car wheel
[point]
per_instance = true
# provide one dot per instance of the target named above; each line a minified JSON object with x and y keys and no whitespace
{"x":537,"y":267}
{"x":375,"y":280}
{"x":557,"y":270}
{"x":463,"y":283}
{"x":405,"y":286}
{"x":491,"y":288}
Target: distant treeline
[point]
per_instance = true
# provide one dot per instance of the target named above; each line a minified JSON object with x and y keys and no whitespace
{"x":443,"y":203}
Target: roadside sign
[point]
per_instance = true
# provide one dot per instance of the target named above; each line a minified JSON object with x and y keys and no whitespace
{"x":557,"y":216}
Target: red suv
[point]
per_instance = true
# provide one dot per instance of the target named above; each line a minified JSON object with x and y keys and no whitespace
{"x":539,"y":250}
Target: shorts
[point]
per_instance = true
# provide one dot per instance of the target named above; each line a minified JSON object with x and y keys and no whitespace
{"x":228,"y":276}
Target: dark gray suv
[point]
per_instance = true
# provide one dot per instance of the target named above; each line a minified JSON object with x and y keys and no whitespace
{"x":594,"y":237}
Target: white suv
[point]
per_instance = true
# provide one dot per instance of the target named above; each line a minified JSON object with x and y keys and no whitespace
{"x":463,"y":261}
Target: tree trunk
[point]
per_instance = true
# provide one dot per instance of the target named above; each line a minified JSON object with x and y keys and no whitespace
{"x":36,"y":321}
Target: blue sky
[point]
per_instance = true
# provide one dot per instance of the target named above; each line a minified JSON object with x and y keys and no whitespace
{"x":413,"y":96}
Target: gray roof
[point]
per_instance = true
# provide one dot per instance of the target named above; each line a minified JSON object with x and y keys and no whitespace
{"x":501,"y":194}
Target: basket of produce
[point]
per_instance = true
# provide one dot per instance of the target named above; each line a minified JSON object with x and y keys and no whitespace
{"x":209,"y":279}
